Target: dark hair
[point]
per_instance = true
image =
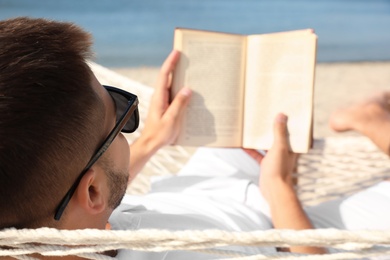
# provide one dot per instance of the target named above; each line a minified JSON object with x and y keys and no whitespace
{"x":49,"y":116}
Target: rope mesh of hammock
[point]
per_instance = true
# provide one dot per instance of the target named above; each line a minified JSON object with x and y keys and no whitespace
{"x":336,"y":166}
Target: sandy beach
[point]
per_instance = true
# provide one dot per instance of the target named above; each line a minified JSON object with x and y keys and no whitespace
{"x":336,"y":85}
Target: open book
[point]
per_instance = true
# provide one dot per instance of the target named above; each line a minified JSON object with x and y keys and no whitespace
{"x":241,"y":82}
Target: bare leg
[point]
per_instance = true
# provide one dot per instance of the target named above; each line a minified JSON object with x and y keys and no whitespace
{"x":370,"y":117}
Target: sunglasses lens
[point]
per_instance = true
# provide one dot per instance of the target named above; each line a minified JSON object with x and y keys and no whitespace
{"x":122,"y":103}
{"x":133,"y":122}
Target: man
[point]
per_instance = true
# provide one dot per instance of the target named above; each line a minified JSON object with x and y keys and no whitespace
{"x":64,"y":164}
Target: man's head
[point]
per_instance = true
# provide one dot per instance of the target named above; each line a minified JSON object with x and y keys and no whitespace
{"x":54,"y":114}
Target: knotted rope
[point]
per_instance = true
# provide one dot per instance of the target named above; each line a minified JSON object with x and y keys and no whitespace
{"x":88,"y":242}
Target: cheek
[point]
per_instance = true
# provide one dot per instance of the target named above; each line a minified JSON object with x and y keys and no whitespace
{"x":121,"y":152}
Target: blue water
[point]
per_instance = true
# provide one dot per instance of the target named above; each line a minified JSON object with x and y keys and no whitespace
{"x":139,"y":32}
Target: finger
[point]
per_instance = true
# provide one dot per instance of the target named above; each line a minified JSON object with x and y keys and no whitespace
{"x":167,"y":68}
{"x":177,"y":107}
{"x":161,"y":95}
{"x":254,"y":154}
{"x":280,"y":131}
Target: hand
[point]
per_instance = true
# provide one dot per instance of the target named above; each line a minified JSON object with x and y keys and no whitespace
{"x":279,"y":163}
{"x":163,"y":122}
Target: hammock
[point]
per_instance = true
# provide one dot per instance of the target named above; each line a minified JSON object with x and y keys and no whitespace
{"x":335,"y":167}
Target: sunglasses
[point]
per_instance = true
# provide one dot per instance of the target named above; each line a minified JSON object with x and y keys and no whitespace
{"x":127,"y":121}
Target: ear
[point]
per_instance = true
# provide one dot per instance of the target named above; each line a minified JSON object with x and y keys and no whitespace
{"x":91,"y":194}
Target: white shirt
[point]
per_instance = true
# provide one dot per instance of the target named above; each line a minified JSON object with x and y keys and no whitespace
{"x":189,"y":209}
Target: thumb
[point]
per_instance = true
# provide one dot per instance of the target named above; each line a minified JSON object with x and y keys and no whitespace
{"x":179,"y":102}
{"x":280,"y":131}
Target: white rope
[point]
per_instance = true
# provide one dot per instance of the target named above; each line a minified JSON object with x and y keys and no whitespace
{"x":159,"y":240}
{"x":65,"y":242}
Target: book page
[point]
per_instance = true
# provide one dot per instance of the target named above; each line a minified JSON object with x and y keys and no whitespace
{"x":212,"y":65}
{"x":280,"y":78}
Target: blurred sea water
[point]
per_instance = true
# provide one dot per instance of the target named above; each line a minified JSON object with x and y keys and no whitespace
{"x":132,"y":33}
